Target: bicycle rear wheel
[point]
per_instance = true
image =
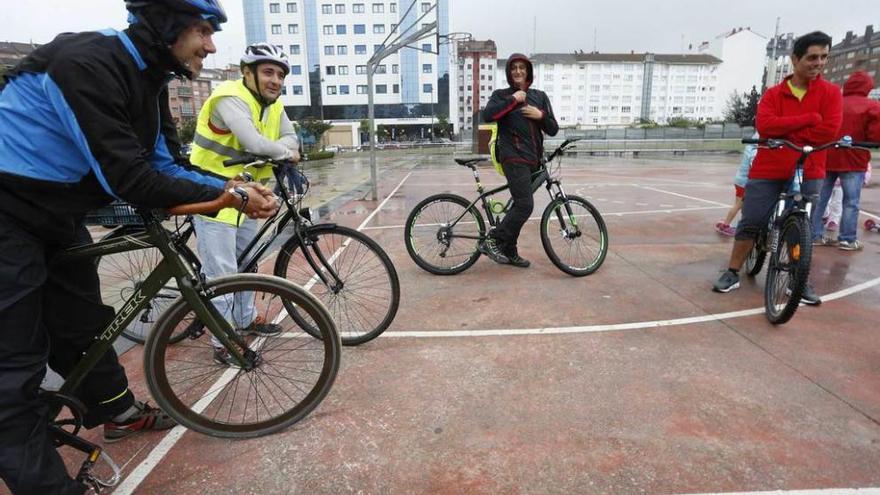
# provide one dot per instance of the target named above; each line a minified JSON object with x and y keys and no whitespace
{"x":755,"y":260}
{"x":788,"y":270}
{"x":364,"y":301}
{"x":434,"y":243}
{"x":292,"y":372}
{"x":574,"y":235}
{"x":123,"y":273}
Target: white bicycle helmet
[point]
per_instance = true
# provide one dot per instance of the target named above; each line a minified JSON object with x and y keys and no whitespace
{"x":264,"y":52}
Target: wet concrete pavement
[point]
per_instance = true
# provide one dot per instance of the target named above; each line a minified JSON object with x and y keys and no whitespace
{"x":637,"y":379}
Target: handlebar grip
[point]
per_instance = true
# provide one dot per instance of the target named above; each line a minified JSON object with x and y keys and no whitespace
{"x":753,"y":141}
{"x":865,"y":144}
{"x":239,"y":161}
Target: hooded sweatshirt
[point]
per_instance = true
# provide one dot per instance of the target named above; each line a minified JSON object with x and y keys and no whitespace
{"x":861,"y":121}
{"x":520,"y":139}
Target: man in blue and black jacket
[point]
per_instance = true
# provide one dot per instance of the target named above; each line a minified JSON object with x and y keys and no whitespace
{"x":523,"y":115}
{"x":84,"y":120}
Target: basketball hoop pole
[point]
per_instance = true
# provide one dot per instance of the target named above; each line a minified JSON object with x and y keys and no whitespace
{"x":386,"y":51}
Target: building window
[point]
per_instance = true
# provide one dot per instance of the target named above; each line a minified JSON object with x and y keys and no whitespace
{"x":331,"y":90}
{"x":339,"y":8}
{"x":427,"y":88}
{"x":360,"y":69}
{"x":360,"y":49}
{"x":426,"y":68}
{"x":395,"y":88}
{"x":426,"y":47}
{"x":294,"y":50}
{"x":297,"y":90}
{"x":378,"y":28}
{"x":326,"y":8}
{"x":293,"y":29}
{"x":291,"y":9}
{"x":343,"y":89}
{"x":377,"y":48}
{"x":296,"y":70}
{"x":362,"y":89}
{"x":381,"y":69}
{"x":340,"y":29}
{"x":342,"y":50}
{"x":276,"y":28}
{"x":328,"y":29}
{"x":330,"y":70}
{"x":378,"y":8}
{"x":426,"y":6}
{"x":360,"y":29}
{"x":328,"y":50}
{"x":395,"y":69}
{"x":274,"y":8}
{"x":357,"y":8}
{"x":392,"y":7}
{"x":342,"y":70}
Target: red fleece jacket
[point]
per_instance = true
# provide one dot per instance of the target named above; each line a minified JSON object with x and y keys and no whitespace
{"x":813,"y":121}
{"x":861,"y":121}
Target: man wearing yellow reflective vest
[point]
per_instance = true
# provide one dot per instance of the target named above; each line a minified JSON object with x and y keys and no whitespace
{"x":243,"y":116}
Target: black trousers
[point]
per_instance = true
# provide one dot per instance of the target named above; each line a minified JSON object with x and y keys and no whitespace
{"x":519,"y":177}
{"x":47,"y":316}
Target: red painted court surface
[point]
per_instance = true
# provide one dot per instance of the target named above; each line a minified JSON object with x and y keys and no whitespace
{"x":636,"y":379}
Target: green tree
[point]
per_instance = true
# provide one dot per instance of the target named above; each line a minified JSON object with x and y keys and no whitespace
{"x":751,"y":107}
{"x":736,"y":109}
{"x":682,"y":122}
{"x":442,"y":127}
{"x":187,"y":131}
{"x":315,"y":127}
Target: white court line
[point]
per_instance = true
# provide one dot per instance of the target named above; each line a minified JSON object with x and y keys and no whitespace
{"x":619,"y":214}
{"x":875,"y":217}
{"x":138,"y":474}
{"x":685,"y":196}
{"x":618,"y":326}
{"x":821,"y":491}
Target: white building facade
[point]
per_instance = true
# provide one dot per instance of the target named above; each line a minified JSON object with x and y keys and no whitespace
{"x":475,"y":80}
{"x":742,"y":53}
{"x":598,"y":89}
{"x":329,"y":43}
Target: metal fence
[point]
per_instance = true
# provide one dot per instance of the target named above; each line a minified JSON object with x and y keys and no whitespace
{"x":714,"y":131}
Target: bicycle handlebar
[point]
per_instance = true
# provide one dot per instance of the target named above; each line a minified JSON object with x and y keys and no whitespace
{"x":560,"y":149}
{"x":225,"y":200}
{"x":842,"y":143}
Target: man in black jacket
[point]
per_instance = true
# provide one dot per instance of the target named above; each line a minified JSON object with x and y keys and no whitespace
{"x":85,"y":119}
{"x":523,"y":115}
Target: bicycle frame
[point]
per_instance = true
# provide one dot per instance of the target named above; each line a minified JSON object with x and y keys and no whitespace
{"x":173,"y":265}
{"x":539,"y":177}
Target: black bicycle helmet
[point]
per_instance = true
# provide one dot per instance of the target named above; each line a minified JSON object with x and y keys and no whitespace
{"x":210,"y":10}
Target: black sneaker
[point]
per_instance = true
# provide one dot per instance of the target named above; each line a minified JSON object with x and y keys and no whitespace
{"x":810,"y":297}
{"x":490,"y":248}
{"x":515,"y":259}
{"x":729,"y":281}
{"x":261,"y":328}
{"x":146,"y":418}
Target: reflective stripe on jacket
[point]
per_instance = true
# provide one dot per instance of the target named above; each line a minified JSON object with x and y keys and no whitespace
{"x":212,"y":146}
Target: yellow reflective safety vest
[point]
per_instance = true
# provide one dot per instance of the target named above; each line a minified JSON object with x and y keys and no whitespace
{"x":212,"y":146}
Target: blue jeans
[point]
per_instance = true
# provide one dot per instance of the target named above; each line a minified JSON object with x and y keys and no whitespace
{"x":219,"y":245}
{"x":851,"y":182}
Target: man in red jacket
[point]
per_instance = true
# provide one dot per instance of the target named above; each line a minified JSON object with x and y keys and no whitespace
{"x":861,"y":121}
{"x":806,"y":110}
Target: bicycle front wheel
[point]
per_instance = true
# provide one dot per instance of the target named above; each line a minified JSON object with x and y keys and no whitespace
{"x":574,"y":235}
{"x":788,"y":270}
{"x":362,"y":291}
{"x":291,"y":371}
{"x":123,"y":273}
{"x":436,"y":241}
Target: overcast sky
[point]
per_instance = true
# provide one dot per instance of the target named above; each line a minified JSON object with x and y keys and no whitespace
{"x":661,"y":26}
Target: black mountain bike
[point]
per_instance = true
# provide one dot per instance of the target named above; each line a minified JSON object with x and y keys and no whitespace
{"x":443,"y":232}
{"x":787,"y":238}
{"x":348,"y":271}
{"x":274,"y":382}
